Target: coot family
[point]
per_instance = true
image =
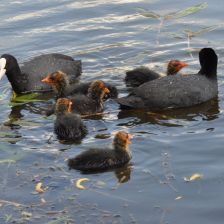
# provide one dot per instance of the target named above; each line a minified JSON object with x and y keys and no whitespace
{"x":179,"y":90}
{"x":140,"y":75}
{"x":27,"y":78}
{"x":62,"y":86}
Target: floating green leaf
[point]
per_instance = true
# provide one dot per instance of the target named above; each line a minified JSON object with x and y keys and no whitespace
{"x":23,"y":99}
{"x":62,"y":219}
{"x":27,"y":123}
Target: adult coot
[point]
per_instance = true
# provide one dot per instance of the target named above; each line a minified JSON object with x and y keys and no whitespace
{"x":103,"y":159}
{"x":177,"y":91}
{"x":140,"y":75}
{"x":61,"y":85}
{"x":27,"y":78}
{"x":68,"y":126}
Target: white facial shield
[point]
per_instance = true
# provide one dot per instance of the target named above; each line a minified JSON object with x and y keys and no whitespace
{"x":2,"y":67}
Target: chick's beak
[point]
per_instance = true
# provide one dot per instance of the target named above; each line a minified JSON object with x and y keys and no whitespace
{"x":106,"y":90}
{"x":129,"y":138}
{"x":181,"y":65}
{"x":70,"y":107}
{"x":46,"y":80}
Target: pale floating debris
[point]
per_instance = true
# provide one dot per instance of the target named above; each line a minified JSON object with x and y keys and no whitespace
{"x":196,"y":176}
{"x":123,"y":178}
{"x":26,"y":215}
{"x":7,"y":161}
{"x":43,"y":200}
{"x":39,"y":188}
{"x":100,"y":183}
{"x":178,"y":198}
{"x":79,"y":183}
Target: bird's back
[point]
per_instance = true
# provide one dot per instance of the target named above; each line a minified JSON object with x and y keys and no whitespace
{"x":37,"y":68}
{"x":139,"y":76}
{"x":172,"y":92}
{"x":99,"y":159}
{"x":69,"y":126}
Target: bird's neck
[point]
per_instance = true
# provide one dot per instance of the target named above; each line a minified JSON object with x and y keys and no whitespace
{"x":210,"y":72}
{"x":96,"y":97}
{"x":61,"y":112}
{"x":171,"y":71}
{"x":61,"y":87}
{"x":120,"y":147}
{"x":16,"y":78}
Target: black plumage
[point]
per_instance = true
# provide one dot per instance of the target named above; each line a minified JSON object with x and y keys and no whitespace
{"x":140,"y":75}
{"x":68,"y":126}
{"x":177,"y":91}
{"x":63,"y":88}
{"x":103,"y":159}
{"x":27,"y":77}
{"x":91,"y":103}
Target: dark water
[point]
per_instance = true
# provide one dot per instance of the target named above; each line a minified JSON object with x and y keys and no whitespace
{"x":111,"y":37}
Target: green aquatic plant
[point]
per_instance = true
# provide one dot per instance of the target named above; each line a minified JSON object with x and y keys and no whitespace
{"x":8,"y":218}
{"x":173,"y":15}
{"x":190,"y":34}
{"x":23,"y":99}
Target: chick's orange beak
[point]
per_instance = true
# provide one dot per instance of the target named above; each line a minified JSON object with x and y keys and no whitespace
{"x":181,"y":65}
{"x":106,"y":90}
{"x":46,"y":80}
{"x":70,"y":107}
{"x":129,"y":138}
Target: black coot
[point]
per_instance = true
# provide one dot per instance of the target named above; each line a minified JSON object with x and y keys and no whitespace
{"x":179,"y":90}
{"x":27,"y":78}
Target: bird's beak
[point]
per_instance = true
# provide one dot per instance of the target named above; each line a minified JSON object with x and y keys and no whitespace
{"x":182,"y":65}
{"x":70,"y":107}
{"x":106,"y":91}
{"x":129,"y":138}
{"x":2,"y":67}
{"x":46,"y":80}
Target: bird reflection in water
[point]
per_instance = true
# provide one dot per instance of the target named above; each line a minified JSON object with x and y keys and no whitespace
{"x":206,"y":111}
{"x":122,"y":174}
